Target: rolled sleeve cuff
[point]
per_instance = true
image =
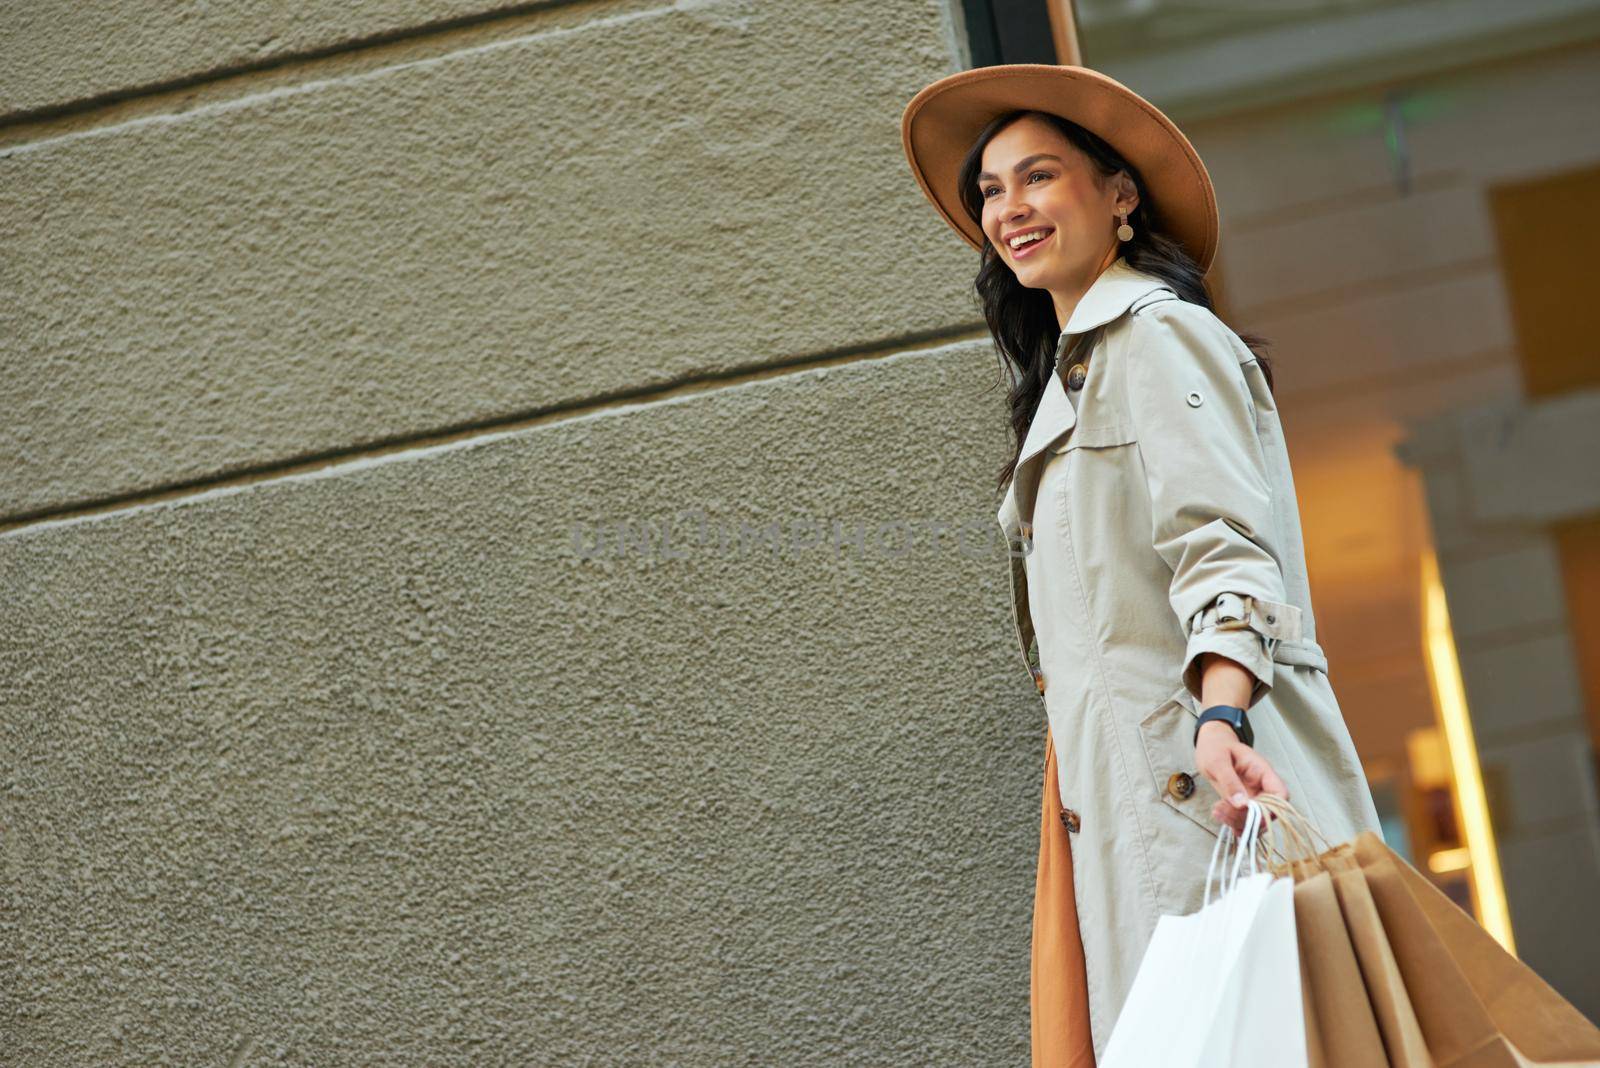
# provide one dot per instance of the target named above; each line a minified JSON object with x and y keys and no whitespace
{"x":1246,"y":647}
{"x":1243,"y":629}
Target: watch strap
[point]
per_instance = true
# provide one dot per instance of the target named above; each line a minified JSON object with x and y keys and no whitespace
{"x":1233,"y":716}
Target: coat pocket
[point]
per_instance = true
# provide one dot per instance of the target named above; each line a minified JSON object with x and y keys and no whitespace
{"x":1168,"y":737}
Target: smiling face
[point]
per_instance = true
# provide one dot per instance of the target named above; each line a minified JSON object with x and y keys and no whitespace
{"x":1033,"y":181}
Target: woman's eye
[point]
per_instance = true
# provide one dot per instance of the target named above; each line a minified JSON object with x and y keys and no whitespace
{"x":986,"y":190}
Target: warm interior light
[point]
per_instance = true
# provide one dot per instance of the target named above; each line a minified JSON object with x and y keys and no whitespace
{"x":1472,"y":806}
{"x":1442,"y":861}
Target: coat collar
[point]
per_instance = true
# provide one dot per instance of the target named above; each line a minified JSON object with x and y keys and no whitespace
{"x":1110,"y":295}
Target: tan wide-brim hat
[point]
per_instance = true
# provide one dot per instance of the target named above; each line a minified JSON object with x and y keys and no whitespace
{"x":942,"y":121}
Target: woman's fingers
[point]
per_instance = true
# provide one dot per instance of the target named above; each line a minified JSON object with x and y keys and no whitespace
{"x":1237,"y":772}
{"x":1222,"y":812}
{"x":1258,"y":775}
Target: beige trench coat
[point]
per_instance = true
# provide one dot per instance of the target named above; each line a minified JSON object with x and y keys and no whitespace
{"x":1175,"y":532}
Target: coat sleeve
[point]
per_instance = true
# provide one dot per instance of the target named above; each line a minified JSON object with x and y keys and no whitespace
{"x":1211,"y":501}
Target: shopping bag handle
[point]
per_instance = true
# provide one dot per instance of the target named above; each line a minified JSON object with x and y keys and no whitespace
{"x":1249,"y":841}
{"x":1300,"y":833}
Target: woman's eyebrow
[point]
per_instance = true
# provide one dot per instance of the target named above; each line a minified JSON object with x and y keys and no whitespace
{"x":1021,"y":164}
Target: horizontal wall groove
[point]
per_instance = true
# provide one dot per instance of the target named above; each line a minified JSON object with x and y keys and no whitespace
{"x":364,"y":54}
{"x":1509,"y":635}
{"x":1572,"y":823}
{"x":1571,"y":726}
{"x":409,"y":445}
{"x":1443,"y":370}
{"x":1377,"y":286}
{"x":1348,"y":200}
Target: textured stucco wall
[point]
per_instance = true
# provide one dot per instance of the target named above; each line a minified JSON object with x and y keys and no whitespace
{"x":376,"y":763}
{"x":58,"y":54}
{"x":369,"y":763}
{"x":517,"y":226}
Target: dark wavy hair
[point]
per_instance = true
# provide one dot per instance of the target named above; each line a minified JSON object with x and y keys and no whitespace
{"x":1023,"y":321}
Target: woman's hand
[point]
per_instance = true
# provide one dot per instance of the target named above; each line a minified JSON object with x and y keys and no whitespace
{"x":1236,"y":771}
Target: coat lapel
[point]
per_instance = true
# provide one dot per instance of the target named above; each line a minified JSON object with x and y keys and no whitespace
{"x":1111,"y":294}
{"x":1054,"y":418}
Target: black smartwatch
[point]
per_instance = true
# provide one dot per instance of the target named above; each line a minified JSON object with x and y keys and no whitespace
{"x":1233,"y":716}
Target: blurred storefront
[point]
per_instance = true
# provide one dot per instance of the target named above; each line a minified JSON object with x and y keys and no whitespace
{"x":1410,"y":194}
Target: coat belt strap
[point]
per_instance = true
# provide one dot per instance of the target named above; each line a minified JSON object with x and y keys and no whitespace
{"x":1302,"y":654}
{"x":1233,"y":611}
{"x":1279,"y":623}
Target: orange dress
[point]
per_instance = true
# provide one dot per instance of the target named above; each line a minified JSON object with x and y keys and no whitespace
{"x":1060,"y":987}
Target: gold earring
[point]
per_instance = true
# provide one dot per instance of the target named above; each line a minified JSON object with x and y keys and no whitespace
{"x":1124,"y":232}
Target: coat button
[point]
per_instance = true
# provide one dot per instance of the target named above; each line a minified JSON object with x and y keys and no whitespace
{"x":1076,"y":375}
{"x":1038,"y":679}
{"x":1069,"y":819}
{"x":1181,"y":785}
{"x":1193,"y":398}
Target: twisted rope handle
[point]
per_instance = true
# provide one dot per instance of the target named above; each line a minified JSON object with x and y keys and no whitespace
{"x":1300,"y":833}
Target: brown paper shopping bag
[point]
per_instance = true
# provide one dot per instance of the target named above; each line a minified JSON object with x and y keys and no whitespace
{"x":1479,"y":1006}
{"x":1356,"y":1006}
{"x":1443,"y":992}
{"x":1341,"y":1028}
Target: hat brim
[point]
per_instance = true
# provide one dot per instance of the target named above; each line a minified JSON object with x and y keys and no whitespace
{"x":942,"y":121}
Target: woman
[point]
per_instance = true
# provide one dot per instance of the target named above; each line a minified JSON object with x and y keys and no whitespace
{"x":1157,"y":564}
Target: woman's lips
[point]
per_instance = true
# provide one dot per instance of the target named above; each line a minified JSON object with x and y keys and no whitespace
{"x":1028,"y":249}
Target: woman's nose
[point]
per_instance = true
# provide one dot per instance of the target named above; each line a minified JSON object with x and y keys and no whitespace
{"x":1010,"y":205}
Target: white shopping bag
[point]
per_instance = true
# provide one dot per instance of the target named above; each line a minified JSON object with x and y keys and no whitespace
{"x":1219,"y":988}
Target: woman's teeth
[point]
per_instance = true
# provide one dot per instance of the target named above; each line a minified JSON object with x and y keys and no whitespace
{"x":1030,"y":239}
